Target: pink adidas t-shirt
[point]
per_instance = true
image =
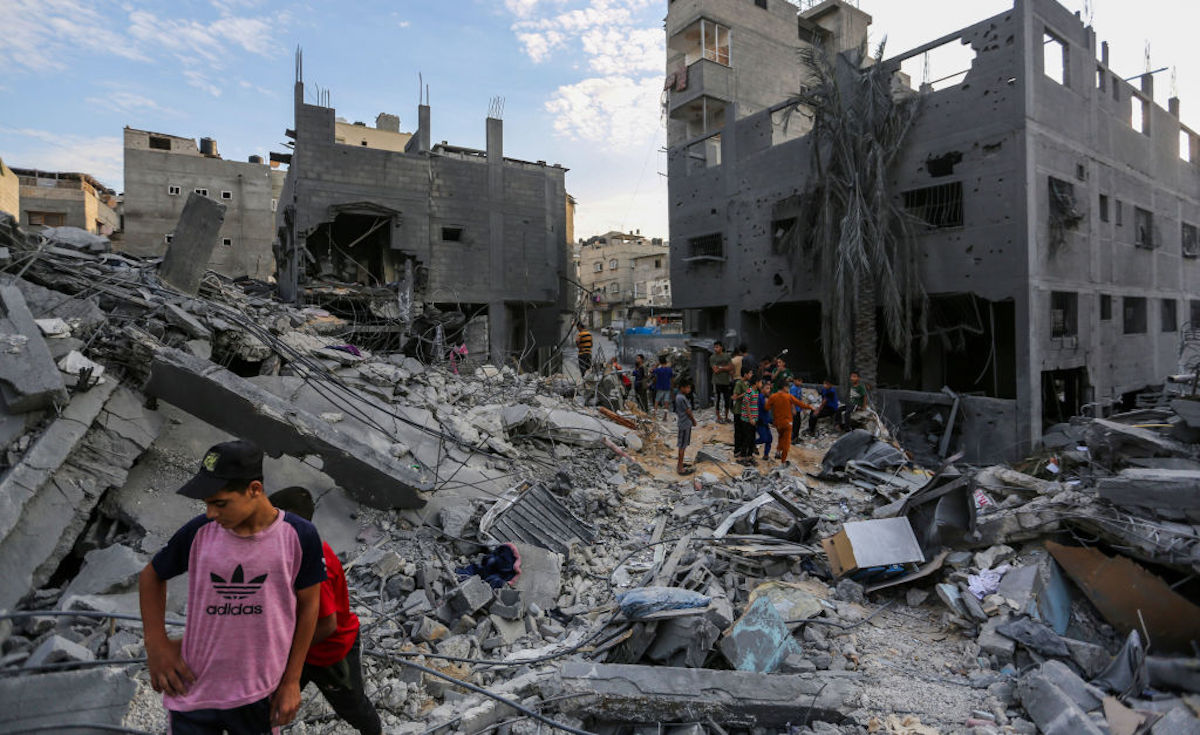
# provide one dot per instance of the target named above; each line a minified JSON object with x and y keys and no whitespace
{"x":241,"y":613}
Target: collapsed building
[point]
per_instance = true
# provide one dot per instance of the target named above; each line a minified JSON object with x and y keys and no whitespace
{"x":439,"y":243}
{"x":1054,"y":206}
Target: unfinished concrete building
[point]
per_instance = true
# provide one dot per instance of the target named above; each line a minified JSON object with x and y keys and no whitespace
{"x":66,"y":199}
{"x":430,"y":246}
{"x":609,"y":274}
{"x":1055,"y":206}
{"x":10,"y":191}
{"x":161,"y":170}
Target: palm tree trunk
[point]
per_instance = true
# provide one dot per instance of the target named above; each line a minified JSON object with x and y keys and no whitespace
{"x":865,"y":355}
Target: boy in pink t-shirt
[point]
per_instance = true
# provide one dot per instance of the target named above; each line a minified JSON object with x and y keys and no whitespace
{"x":254,"y":576}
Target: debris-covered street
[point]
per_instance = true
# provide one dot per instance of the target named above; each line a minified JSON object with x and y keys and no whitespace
{"x":523,"y":560}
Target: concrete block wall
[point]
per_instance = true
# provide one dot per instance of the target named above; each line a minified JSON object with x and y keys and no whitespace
{"x":10,"y":191}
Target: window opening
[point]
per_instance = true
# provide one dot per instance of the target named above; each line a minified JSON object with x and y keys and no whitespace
{"x":1120,"y":213}
{"x":1168,"y":315}
{"x":937,"y":206}
{"x":227,"y":195}
{"x":1064,"y":314}
{"x":201,"y":192}
{"x":169,"y":237}
{"x":706,"y":247}
{"x":1105,"y":307}
{"x":597,"y":267}
{"x":1143,"y":228}
{"x":1139,"y":114}
{"x":1185,"y":145}
{"x":159,"y":143}
{"x":1100,"y":78}
{"x":783,"y":235}
{"x":1103,"y":208}
{"x":174,"y":190}
{"x":452,"y":234}
{"x":1135,"y":314}
{"x":47,"y":219}
{"x":227,"y":242}
{"x":1194,"y":314}
{"x":1054,"y":58}
{"x":612,"y":264}
{"x":1190,"y":240}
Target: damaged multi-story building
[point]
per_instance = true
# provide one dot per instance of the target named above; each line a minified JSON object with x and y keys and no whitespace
{"x":432,"y":245}
{"x":1054,"y":205}
{"x":161,"y":170}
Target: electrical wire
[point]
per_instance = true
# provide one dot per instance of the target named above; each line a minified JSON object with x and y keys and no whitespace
{"x":77,"y":726}
{"x":478,"y":690}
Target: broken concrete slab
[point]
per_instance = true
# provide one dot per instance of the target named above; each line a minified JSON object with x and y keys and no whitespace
{"x":1109,"y":442}
{"x":194,"y":238}
{"x":29,"y":379}
{"x":106,"y":571}
{"x":470,"y":596}
{"x":43,"y":497}
{"x":335,"y":519}
{"x":540,"y":581}
{"x":234,"y":404}
{"x":48,"y":701}
{"x":563,"y":425}
{"x":1152,"y":488}
{"x":57,"y":649}
{"x":1052,"y":709}
{"x":1176,"y":722}
{"x":631,"y":693}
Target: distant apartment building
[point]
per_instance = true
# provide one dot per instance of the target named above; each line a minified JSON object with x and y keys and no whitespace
{"x":54,"y":199}
{"x":10,"y":191}
{"x":608,"y":273}
{"x":651,"y":285}
{"x":161,"y":170}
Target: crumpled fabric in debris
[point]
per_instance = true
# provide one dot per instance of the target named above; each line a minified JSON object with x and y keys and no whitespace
{"x":346,"y":348}
{"x":646,"y":600}
{"x":501,"y":566}
{"x":987,"y":581}
{"x":1127,"y":674}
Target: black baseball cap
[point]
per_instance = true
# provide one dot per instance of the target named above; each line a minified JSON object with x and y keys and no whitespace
{"x":235,"y":460}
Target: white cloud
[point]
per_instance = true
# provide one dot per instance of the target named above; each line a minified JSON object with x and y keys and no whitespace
{"x":538,"y":46}
{"x":625,"y":50}
{"x":42,"y":35}
{"x":200,"y":81}
{"x":615,"y":112}
{"x":101,"y":156}
{"x":130,"y":103}
{"x":404,"y":23}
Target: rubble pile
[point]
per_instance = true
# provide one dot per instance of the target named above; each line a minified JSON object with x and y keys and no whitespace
{"x":523,"y":557}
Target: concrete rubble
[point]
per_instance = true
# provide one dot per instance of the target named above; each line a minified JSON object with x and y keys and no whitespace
{"x":971,"y":616}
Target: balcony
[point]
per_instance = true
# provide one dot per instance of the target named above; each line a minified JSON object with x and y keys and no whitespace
{"x":703,"y":116}
{"x":702,"y":78}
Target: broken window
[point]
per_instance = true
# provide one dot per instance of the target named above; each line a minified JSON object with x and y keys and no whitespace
{"x":1105,"y":307}
{"x":937,"y":206}
{"x":227,"y":195}
{"x":1064,"y":314}
{"x":1054,"y":58}
{"x":47,"y":219}
{"x":1143,"y":228}
{"x":704,"y":154}
{"x":173,"y":190}
{"x":1063,"y":213}
{"x":1190,"y":240}
{"x":1135,"y":314}
{"x":227,"y":242}
{"x":1168,"y":315}
{"x":942,"y":66}
{"x":167,"y":238}
{"x":452,"y":234}
{"x":1139,"y":114}
{"x":707,"y":247}
{"x":943,"y":165}
{"x":159,"y":143}
{"x":783,"y":235}
{"x":1103,"y":208}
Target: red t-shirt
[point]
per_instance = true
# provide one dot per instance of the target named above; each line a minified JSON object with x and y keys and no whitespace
{"x":335,"y":597}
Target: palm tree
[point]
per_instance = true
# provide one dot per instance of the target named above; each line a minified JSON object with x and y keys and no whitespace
{"x":865,"y":254}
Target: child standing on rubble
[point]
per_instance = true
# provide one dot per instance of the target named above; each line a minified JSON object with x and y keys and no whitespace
{"x":333,"y":661}
{"x":782,"y":404}
{"x":683,"y":412}
{"x":663,"y":375}
{"x":254,"y":575}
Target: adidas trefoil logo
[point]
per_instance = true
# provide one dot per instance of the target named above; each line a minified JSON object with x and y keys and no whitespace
{"x":236,"y":588}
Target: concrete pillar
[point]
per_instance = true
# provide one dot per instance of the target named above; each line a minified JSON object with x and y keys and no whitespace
{"x":498,"y":326}
{"x":1148,"y":85}
{"x":192,"y":246}
{"x":1104,"y":53}
{"x":1173,"y":107}
{"x":423,"y":128}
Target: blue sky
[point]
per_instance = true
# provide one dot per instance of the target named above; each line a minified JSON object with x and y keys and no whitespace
{"x":581,"y":78}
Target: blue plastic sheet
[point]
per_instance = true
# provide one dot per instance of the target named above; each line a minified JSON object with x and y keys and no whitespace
{"x":646,"y":600}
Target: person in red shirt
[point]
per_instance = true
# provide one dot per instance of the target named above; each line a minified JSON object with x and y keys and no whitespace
{"x":333,"y":661}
